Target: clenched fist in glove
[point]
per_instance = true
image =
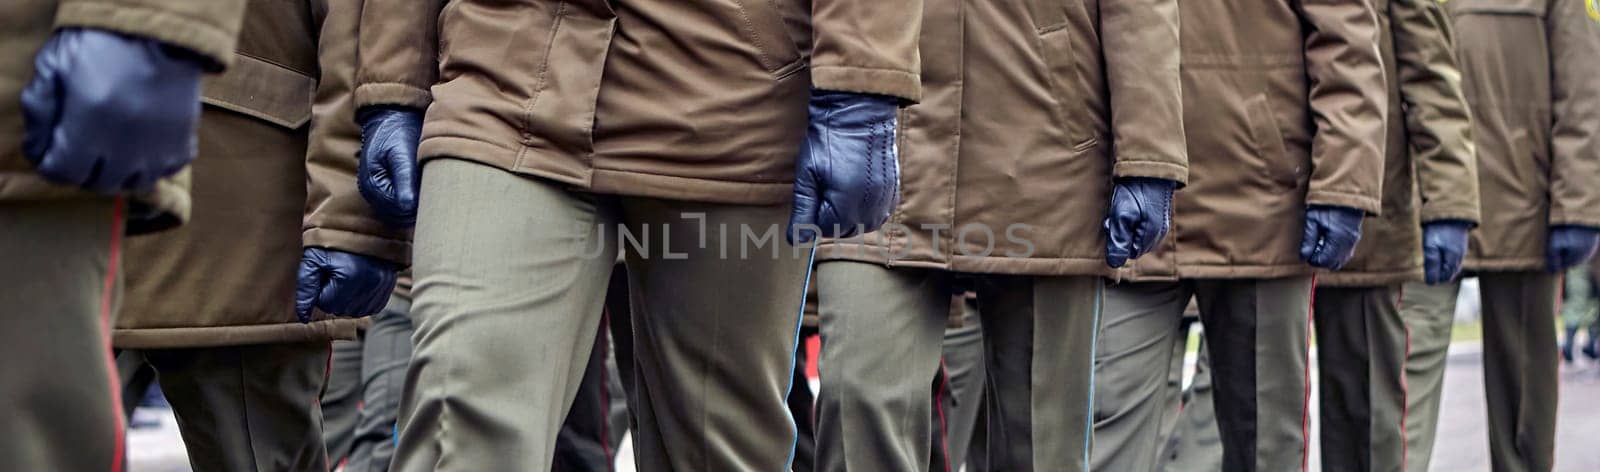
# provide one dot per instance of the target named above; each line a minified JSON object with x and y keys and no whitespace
{"x":1331,"y":234}
{"x":342,"y":283}
{"x":387,"y":175}
{"x":847,"y":177}
{"x":1141,"y":210}
{"x":1569,"y":246}
{"x":110,"y":112}
{"x":1444,"y":245}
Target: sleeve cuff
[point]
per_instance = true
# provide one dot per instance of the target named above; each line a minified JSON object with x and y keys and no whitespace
{"x":1430,"y":215}
{"x":1562,"y":217}
{"x":393,"y":250}
{"x":1365,"y":203}
{"x":895,"y":83}
{"x":392,"y":93}
{"x":1134,"y":167}
{"x":212,"y":41}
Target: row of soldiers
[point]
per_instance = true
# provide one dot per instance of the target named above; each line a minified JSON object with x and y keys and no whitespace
{"x":1084,"y":168}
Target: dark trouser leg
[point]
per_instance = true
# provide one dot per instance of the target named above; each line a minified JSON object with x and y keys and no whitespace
{"x":1138,"y":342}
{"x":1257,"y":332}
{"x":583,"y":444}
{"x":802,"y":406}
{"x":1040,"y":333}
{"x":137,"y":376}
{"x":341,"y":401}
{"x":59,"y":284}
{"x":715,"y":336}
{"x":1429,"y":314}
{"x":881,"y":333}
{"x":1195,"y":445}
{"x":1520,"y":369}
{"x":1361,"y":351}
{"x":385,"y":352}
{"x":251,"y":407}
{"x":962,"y":378}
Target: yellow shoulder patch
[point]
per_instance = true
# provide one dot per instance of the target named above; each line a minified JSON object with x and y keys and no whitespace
{"x":1594,"y":11}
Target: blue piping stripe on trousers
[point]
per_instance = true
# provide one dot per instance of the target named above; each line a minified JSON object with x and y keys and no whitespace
{"x":799,"y":321}
{"x":1094,"y":350}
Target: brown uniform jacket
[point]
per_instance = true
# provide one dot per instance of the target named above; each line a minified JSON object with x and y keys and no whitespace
{"x":1030,"y":108}
{"x":1284,"y":106}
{"x":276,"y":172}
{"x":1429,"y":173}
{"x":699,"y":100}
{"x":204,"y":26}
{"x":1531,"y":72}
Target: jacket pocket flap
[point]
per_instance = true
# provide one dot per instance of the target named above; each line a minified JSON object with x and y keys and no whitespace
{"x":262,"y":90}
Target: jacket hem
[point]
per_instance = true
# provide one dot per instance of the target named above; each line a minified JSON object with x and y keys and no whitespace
{"x":1042,"y":266}
{"x":1503,"y":264}
{"x":611,"y":181}
{"x":1368,"y":278}
{"x":166,"y":206}
{"x":331,"y":329}
{"x":1430,"y":215}
{"x":1235,"y":271}
{"x":392,"y":250}
{"x":1566,"y":218}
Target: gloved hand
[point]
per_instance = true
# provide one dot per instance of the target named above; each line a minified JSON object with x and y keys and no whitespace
{"x":110,"y":112}
{"x":1331,"y":234}
{"x":1570,"y":245}
{"x":1141,"y":211}
{"x":387,"y":176}
{"x":847,"y":177}
{"x":1444,"y":244}
{"x":342,"y":283}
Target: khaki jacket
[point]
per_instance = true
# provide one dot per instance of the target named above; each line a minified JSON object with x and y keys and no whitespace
{"x":1284,"y":105}
{"x":1030,"y":108}
{"x":276,"y":172}
{"x":1429,"y":171}
{"x":700,"y":100}
{"x":204,"y":26}
{"x":1531,"y":72}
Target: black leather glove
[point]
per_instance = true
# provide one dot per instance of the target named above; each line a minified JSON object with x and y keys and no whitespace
{"x":1141,"y":211}
{"x":342,"y":283}
{"x":1569,"y":246}
{"x":388,"y":176}
{"x":1444,"y":244}
{"x":847,"y":177}
{"x":1331,"y":234}
{"x":109,"y":112}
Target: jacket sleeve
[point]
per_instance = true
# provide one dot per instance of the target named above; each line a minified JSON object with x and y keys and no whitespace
{"x":1438,"y":122}
{"x":1348,"y":100}
{"x":207,"y":27}
{"x":1140,"y":43}
{"x":867,"y":46}
{"x":399,"y":52}
{"x":1574,"y":31}
{"x":337,"y":217}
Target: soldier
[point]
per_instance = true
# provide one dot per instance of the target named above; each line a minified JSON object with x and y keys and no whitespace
{"x":1531,"y":78}
{"x":1284,"y":107}
{"x":1039,"y":116}
{"x":552,"y":126}
{"x":99,"y":100}
{"x":223,"y":307}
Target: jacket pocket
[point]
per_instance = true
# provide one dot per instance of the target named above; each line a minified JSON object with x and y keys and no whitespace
{"x":1269,"y":143}
{"x":1061,"y":67}
{"x":262,"y":90}
{"x":765,"y":29}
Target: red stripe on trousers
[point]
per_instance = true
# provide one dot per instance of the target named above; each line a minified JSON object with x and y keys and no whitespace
{"x":938,"y":405}
{"x":107,"y":294}
{"x":1305,"y":403}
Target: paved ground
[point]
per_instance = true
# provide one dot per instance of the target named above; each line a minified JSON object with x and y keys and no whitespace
{"x":1463,"y":447}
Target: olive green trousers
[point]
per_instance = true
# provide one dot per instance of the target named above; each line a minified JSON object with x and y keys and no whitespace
{"x":59,"y":287}
{"x":882,"y":344}
{"x":511,"y":278}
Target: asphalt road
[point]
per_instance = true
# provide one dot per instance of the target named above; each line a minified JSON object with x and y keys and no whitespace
{"x":1462,"y":447}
